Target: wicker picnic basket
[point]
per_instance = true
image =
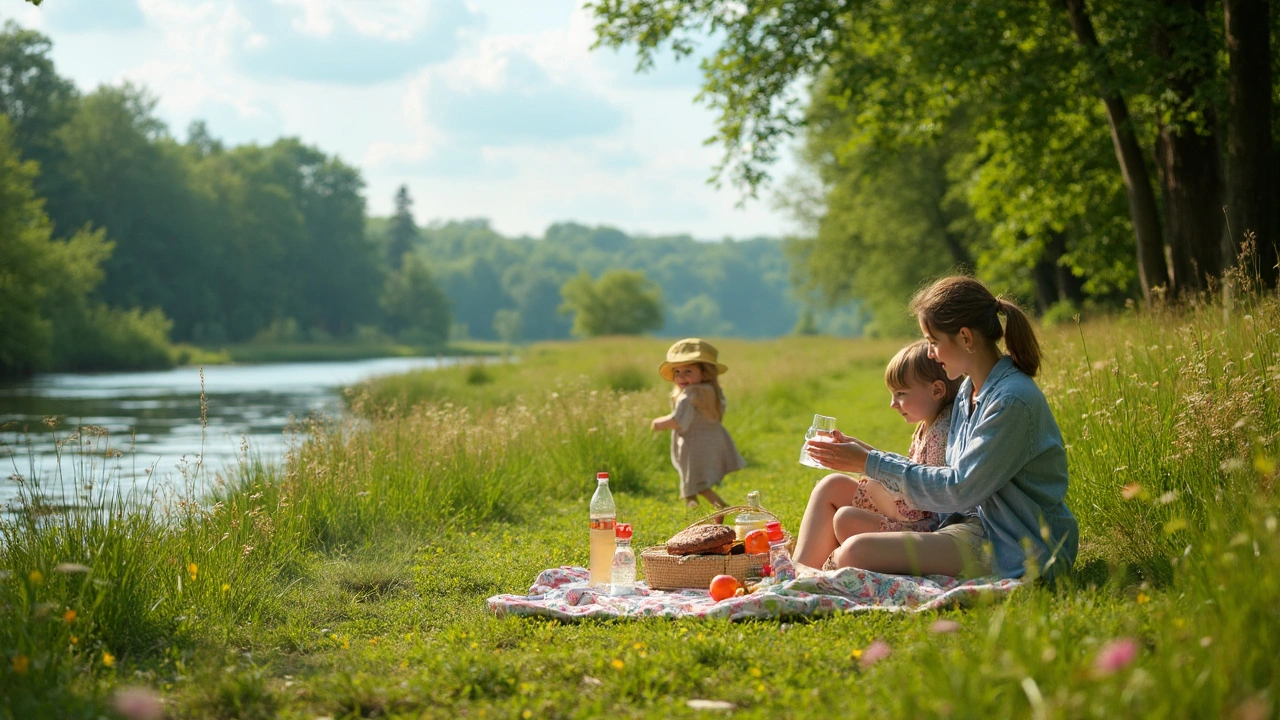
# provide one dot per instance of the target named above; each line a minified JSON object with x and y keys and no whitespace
{"x":678,"y":572}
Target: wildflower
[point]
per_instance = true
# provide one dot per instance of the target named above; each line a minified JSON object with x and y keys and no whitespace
{"x":874,"y":653}
{"x":21,"y":663}
{"x":944,"y":626}
{"x":755,"y":672}
{"x":191,"y":570}
{"x":1142,"y":599}
{"x":1131,"y":491}
{"x":1115,"y":655}
{"x":108,"y":659}
{"x":69,"y":568}
{"x":69,"y":616}
{"x":36,"y":577}
{"x":226,"y":587}
{"x":618,"y":664}
{"x":137,"y":703}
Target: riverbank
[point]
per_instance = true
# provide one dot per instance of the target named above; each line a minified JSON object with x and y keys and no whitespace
{"x":351,"y":581}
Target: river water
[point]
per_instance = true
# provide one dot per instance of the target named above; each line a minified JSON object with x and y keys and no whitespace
{"x":154,"y":420}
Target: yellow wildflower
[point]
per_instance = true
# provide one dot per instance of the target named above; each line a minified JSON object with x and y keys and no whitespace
{"x":1142,"y":598}
{"x":36,"y":577}
{"x":192,"y":568}
{"x":618,"y":664}
{"x":108,"y":659}
{"x":21,"y":663}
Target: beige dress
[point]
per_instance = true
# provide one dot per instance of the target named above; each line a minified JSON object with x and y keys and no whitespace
{"x":701,"y":448}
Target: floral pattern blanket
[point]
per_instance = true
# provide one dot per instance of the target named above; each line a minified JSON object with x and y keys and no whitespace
{"x":563,"y":593}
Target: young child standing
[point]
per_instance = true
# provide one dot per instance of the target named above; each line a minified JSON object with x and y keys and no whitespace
{"x":921,"y":392}
{"x":701,"y":449}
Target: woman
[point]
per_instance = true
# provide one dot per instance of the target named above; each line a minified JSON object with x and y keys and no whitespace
{"x":1006,"y":475}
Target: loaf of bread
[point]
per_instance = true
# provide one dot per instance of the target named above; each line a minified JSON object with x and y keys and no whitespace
{"x":702,"y":540}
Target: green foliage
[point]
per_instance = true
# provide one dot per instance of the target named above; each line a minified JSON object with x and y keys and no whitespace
{"x":416,"y":309}
{"x":621,"y":302}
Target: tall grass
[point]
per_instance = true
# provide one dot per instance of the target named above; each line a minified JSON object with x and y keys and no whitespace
{"x":359,"y":564}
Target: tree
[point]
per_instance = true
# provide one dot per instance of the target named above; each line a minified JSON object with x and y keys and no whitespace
{"x":417,"y":310}
{"x":1013,"y":63}
{"x":621,"y":302}
{"x":403,"y":234}
{"x":1251,"y":189}
{"x":38,"y":102}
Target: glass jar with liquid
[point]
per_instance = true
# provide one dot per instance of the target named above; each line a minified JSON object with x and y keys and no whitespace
{"x":823,"y":428}
{"x":751,"y":519}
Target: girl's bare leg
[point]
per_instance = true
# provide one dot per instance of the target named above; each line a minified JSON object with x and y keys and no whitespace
{"x":902,"y":553}
{"x":850,"y":521}
{"x":817,"y":539}
{"x":713,"y":498}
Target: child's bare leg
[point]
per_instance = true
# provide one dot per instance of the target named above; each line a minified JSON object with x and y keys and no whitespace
{"x":816,"y":538}
{"x":850,"y":521}
{"x":902,"y":553}
{"x":713,"y":498}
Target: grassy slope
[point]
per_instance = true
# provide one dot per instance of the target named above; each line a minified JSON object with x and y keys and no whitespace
{"x":353,"y":582}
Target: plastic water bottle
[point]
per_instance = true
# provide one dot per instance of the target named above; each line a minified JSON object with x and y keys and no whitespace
{"x":604,"y":517}
{"x":624,"y":563}
{"x":779,"y":555}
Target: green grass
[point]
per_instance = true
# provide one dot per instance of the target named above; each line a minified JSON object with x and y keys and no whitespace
{"x":351,"y":581}
{"x":336,"y":351}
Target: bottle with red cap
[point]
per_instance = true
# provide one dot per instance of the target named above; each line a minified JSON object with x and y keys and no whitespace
{"x":624,"y":563}
{"x":779,"y":555}
{"x":604,"y":516}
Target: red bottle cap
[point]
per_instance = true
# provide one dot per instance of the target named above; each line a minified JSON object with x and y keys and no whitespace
{"x":774,"y":529}
{"x":622,"y":531}
{"x":602,"y":476}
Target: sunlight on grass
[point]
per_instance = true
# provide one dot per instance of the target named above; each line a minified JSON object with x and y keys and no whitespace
{"x":350,"y":581}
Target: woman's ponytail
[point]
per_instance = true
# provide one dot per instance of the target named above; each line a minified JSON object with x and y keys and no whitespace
{"x":1020,"y":338}
{"x":960,"y":301}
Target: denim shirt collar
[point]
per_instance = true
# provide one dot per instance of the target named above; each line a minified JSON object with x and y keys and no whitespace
{"x":1002,"y":368}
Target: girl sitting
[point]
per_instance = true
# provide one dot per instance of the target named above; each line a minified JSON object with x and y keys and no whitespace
{"x":1005,"y":458}
{"x":921,"y":392}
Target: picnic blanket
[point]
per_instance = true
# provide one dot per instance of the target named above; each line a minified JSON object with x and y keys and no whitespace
{"x":563,"y":593}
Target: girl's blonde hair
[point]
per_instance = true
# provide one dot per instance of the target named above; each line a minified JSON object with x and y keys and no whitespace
{"x":710,"y":377}
{"x":913,"y":364}
{"x":964,"y":302}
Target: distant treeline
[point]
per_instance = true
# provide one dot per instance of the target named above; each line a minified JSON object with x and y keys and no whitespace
{"x":740,"y":288}
{"x":118,"y":239}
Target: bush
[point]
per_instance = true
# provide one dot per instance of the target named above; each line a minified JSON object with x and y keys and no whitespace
{"x":106,"y":338}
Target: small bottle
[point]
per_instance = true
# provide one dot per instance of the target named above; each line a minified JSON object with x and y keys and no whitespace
{"x":753,"y":519}
{"x":779,"y":556}
{"x":624,"y":563}
{"x":604,"y":516}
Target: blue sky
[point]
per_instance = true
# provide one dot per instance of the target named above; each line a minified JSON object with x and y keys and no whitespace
{"x":485,"y":108}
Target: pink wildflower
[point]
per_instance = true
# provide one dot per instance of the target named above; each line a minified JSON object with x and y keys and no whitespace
{"x":944,"y":626}
{"x":1115,"y":655}
{"x":874,"y":653}
{"x":136,"y":703}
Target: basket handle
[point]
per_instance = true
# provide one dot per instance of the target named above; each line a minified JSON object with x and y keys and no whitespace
{"x":732,"y":509}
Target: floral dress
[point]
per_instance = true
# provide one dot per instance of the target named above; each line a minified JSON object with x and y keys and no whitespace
{"x":928,"y":447}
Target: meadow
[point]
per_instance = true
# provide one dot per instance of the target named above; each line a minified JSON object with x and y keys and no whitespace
{"x":350,"y":580}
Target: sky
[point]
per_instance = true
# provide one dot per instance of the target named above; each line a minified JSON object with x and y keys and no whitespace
{"x":484,"y":108}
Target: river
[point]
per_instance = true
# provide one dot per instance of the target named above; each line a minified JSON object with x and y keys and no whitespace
{"x":154,"y":420}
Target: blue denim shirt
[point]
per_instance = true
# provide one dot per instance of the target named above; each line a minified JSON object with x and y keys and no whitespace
{"x":1004,"y":456}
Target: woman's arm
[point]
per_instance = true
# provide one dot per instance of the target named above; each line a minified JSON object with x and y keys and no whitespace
{"x":999,"y":446}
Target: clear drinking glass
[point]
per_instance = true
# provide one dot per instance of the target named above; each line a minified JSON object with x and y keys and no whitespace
{"x":823,"y":428}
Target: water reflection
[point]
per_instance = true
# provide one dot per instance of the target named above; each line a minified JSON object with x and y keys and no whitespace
{"x":154,"y":418}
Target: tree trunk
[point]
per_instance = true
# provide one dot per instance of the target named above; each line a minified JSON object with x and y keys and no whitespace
{"x":1250,"y":179}
{"x":1187,"y":151}
{"x":1069,"y":286}
{"x":1152,"y":271}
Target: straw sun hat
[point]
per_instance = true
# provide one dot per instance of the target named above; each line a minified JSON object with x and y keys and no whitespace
{"x":688,"y":351}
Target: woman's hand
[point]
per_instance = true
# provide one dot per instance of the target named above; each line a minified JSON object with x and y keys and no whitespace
{"x":843,"y":453}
